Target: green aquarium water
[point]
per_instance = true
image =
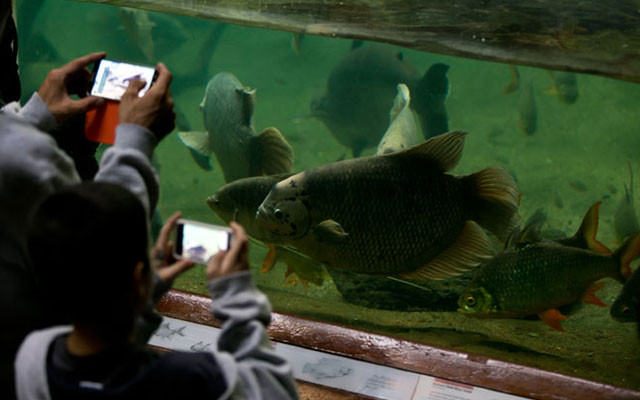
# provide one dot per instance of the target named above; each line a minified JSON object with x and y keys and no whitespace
{"x":564,"y":157}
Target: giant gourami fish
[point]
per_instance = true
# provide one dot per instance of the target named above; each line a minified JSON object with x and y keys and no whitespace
{"x":536,"y":278}
{"x":398,"y":214}
{"x":227,"y":108}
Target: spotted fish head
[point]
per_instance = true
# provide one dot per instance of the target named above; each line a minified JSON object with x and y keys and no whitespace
{"x":477,"y":301}
{"x":284,"y":212}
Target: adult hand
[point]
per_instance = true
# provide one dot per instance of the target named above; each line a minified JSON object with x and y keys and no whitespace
{"x":235,"y":260}
{"x":154,"y":110}
{"x":162,"y":259}
{"x":72,"y":78}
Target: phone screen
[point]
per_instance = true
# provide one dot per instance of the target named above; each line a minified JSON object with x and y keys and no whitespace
{"x":112,"y":78}
{"x":199,"y":242}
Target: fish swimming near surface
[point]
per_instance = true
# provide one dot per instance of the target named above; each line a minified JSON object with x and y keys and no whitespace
{"x":626,"y":307}
{"x":625,"y":220}
{"x":239,"y":201}
{"x":398,"y":214}
{"x":138,"y":27}
{"x":360,"y":91}
{"x":227,"y":108}
{"x":537,"y":278}
{"x":527,"y":110}
{"x":565,"y":86}
{"x":402,"y":131}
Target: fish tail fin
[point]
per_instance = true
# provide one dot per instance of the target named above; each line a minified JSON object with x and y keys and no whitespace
{"x":495,"y":202}
{"x":586,"y":234}
{"x":272,"y":153}
{"x":625,"y":254}
{"x":470,"y":248}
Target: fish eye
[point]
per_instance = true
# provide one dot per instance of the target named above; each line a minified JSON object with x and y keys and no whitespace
{"x":278,"y":213}
{"x":470,"y":301}
{"x":626,"y":309}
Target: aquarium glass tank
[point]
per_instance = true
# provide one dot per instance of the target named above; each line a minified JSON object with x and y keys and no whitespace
{"x":282,"y":103}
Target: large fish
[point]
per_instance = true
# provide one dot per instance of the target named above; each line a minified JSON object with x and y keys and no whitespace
{"x":228,"y":108}
{"x":360,"y":91}
{"x":627,"y":305}
{"x":396,"y":214}
{"x":402,"y":131}
{"x":238,"y":201}
{"x":537,"y":278}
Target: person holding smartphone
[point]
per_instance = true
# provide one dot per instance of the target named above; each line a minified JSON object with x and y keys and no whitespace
{"x":96,"y":357}
{"x":32,"y":166}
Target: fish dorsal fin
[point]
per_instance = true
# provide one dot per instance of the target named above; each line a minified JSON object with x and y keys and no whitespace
{"x":472,"y":247}
{"x":271,"y":152}
{"x":198,"y":145}
{"x":401,"y":102}
{"x":589,"y":229}
{"x":444,"y":149}
{"x":248,"y":98}
{"x":330,"y":231}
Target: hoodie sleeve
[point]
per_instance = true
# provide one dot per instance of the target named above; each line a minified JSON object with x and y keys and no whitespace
{"x":128,"y":163}
{"x":251,"y":367}
{"x":34,"y":112}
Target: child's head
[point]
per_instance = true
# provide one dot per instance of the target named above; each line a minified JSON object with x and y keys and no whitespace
{"x":89,"y":249}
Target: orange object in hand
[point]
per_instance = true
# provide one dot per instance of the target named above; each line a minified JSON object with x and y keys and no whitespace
{"x":101,"y":122}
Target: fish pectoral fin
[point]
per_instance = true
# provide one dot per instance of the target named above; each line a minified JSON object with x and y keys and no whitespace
{"x":330,"y":231}
{"x":271,"y":153}
{"x":552,"y":318}
{"x":307,"y":269}
{"x":269,"y":260}
{"x":198,"y":145}
{"x":445,"y":149}
{"x":470,"y":248}
{"x":590,"y":295}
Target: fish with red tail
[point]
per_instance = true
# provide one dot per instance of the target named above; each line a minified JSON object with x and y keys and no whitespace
{"x":537,"y":278}
{"x":397,"y":214}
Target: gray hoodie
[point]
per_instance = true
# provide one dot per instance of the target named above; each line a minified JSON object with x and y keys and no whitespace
{"x":250,"y":367}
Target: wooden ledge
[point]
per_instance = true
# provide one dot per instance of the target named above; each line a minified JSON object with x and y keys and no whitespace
{"x":466,"y":368}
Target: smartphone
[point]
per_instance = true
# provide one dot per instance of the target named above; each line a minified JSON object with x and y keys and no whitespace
{"x":111,"y":78}
{"x":198,"y":241}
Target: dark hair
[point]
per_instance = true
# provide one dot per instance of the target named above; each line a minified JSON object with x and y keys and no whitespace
{"x":84,"y":242}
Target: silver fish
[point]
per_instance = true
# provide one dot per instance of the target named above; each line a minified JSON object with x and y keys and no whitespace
{"x":402,"y":131}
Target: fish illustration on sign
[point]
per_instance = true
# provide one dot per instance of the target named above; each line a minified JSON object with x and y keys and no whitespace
{"x":398,"y":214}
{"x":166,"y":332}
{"x":327,"y":368}
{"x":227,"y":108}
{"x":200,"y":346}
